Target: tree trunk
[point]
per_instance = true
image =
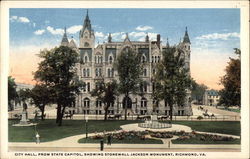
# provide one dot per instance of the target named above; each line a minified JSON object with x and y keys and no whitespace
{"x":42,"y":110}
{"x":106,"y":112}
{"x":58,"y":113}
{"x":171,"y":110}
{"x":61,"y":116}
{"x":126,"y":105}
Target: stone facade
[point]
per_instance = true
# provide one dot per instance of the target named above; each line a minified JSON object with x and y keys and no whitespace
{"x":96,"y":63}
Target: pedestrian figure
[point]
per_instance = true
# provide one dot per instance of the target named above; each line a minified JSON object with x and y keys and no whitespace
{"x":37,"y":138}
{"x":101,"y":145}
{"x":109,"y":140}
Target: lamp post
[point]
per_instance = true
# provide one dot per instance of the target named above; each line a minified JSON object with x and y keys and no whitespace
{"x":86,"y":126}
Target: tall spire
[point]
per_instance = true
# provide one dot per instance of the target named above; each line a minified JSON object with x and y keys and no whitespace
{"x":65,"y":40}
{"x":167,"y":45}
{"x":87,"y":23}
{"x":186,"y":37}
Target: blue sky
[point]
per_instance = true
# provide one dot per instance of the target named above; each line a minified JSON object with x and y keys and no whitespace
{"x":210,"y":30}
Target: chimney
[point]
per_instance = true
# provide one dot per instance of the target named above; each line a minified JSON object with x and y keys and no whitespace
{"x":158,"y":38}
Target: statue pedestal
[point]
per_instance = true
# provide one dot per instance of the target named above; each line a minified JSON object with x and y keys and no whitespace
{"x":24,"y":120}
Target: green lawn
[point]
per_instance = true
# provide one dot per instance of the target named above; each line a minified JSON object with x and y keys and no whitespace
{"x":224,"y":127}
{"x":134,"y":140}
{"x":49,"y":130}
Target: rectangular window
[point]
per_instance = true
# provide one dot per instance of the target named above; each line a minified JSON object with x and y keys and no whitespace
{"x":88,"y":87}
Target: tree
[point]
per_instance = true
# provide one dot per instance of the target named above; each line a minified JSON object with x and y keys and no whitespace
{"x":197,"y":91}
{"x":231,"y":93}
{"x":57,"y":71}
{"x":129,"y":69}
{"x":172,"y":79}
{"x":23,"y":94}
{"x":12,"y":93}
{"x":41,"y":96}
{"x":105,"y":92}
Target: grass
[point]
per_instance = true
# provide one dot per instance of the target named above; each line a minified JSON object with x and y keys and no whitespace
{"x":133,"y":140}
{"x":230,"y":109}
{"x":49,"y":131}
{"x":223,"y":127}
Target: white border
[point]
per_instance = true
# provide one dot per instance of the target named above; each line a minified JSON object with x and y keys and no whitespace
{"x":243,"y":5}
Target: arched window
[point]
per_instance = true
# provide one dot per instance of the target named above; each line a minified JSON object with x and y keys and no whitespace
{"x":112,"y":72}
{"x":108,"y":72}
{"x":145,"y":72}
{"x":110,"y":59}
{"x":153,"y":59}
{"x":98,"y":103}
{"x":88,"y":73}
{"x":154,"y":71}
{"x":96,"y":72}
{"x":84,"y":72}
{"x":95,"y":59}
{"x":100,"y":72}
{"x":101,"y":59}
{"x":85,"y":59}
{"x":86,"y":102}
{"x":143,"y":59}
{"x":88,"y":87}
{"x":143,"y":102}
{"x":159,"y":58}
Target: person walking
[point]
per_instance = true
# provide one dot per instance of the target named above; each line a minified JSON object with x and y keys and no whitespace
{"x":37,"y":138}
{"x":109,"y":140}
{"x":101,"y":145}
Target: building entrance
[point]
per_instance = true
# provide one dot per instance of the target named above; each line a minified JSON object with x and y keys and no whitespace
{"x":128,"y":101}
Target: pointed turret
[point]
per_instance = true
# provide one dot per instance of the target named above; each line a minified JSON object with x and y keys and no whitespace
{"x":186,"y":37}
{"x":109,"y":38}
{"x":72,"y":43}
{"x":86,"y":35}
{"x":87,"y":23}
{"x":147,"y":38}
{"x":65,"y":41}
{"x":167,"y":45}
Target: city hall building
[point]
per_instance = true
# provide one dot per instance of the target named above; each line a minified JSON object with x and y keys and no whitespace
{"x":96,"y":62}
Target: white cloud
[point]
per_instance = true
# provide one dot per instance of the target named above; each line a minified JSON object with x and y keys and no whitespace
{"x":55,"y":31}
{"x":39,"y":32}
{"x":13,"y":18}
{"x":218,"y":36}
{"x":23,"y":20}
{"x":99,"y":34}
{"x":74,"y":29}
{"x":19,"y":19}
{"x":143,"y":28}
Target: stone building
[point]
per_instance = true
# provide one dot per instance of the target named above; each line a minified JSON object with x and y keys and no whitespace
{"x":96,"y":62}
{"x":211,"y":98}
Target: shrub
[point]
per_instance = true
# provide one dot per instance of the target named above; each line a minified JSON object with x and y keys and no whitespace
{"x":199,"y":117}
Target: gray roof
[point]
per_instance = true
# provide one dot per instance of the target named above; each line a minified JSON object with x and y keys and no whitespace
{"x":186,"y":37}
{"x":212,"y":92}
